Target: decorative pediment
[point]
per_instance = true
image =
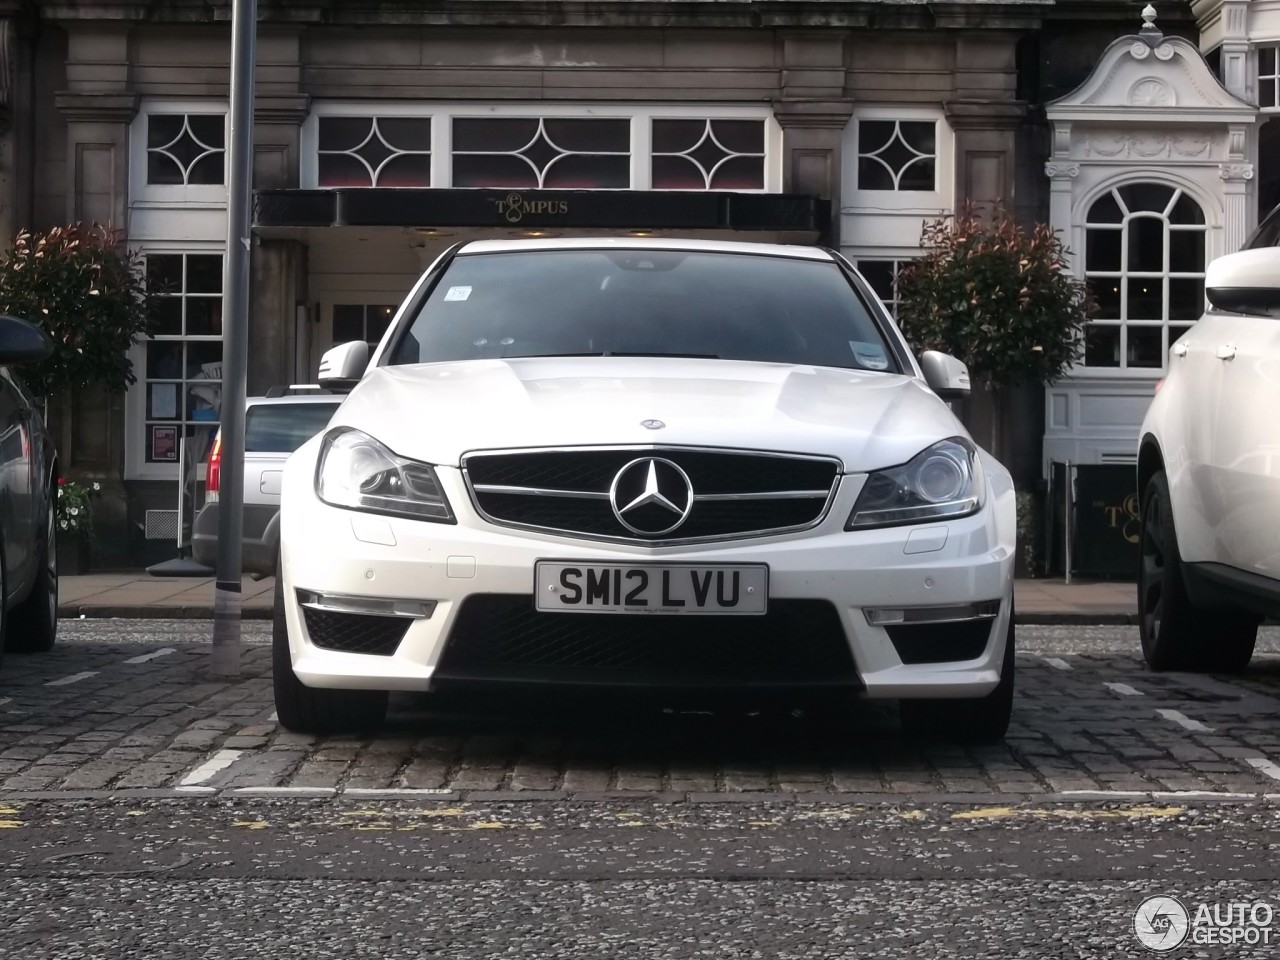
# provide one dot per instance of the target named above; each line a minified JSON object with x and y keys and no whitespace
{"x":1151,"y":77}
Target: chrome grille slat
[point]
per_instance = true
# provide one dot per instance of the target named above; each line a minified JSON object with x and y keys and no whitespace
{"x":779,"y":495}
{"x":736,"y":493}
{"x":540,"y":492}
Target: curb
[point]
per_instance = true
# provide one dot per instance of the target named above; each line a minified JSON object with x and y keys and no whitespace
{"x":1007,"y":804}
{"x":144,"y":612}
{"x":1103,"y":618}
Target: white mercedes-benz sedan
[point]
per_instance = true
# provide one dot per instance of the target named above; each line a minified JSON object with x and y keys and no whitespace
{"x":655,"y":464}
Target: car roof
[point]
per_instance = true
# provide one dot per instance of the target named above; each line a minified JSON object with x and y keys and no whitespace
{"x":794,"y":251}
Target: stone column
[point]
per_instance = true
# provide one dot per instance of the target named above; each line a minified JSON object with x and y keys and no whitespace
{"x":98,"y":108}
{"x":985,"y":151}
{"x":811,"y":135}
{"x":1237,"y":204}
{"x":278,"y":270}
{"x":813,"y":112}
{"x":278,"y":274}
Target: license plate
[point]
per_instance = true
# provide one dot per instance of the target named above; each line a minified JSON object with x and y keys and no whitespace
{"x":669,"y":589}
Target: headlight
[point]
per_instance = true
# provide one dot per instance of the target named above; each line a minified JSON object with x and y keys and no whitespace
{"x":359,"y":473}
{"x":942,"y":482}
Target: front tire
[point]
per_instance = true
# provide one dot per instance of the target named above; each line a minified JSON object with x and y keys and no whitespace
{"x":977,"y":720}
{"x":1176,"y":634}
{"x":306,"y":709}
{"x":34,"y":626}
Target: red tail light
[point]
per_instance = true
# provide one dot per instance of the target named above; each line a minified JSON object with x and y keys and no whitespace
{"x":214,"y":475}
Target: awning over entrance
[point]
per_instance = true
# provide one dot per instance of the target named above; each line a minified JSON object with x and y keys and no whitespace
{"x":542,"y":209}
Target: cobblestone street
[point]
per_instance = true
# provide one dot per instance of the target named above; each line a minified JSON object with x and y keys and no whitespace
{"x":129,"y":705}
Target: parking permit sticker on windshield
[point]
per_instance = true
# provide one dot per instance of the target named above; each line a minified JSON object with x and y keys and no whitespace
{"x":869,"y":355}
{"x":457,"y":293}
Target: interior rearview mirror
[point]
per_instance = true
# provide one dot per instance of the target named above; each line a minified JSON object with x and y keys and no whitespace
{"x":22,"y":342}
{"x":946,"y":376}
{"x":1245,"y":282}
{"x":342,"y":366}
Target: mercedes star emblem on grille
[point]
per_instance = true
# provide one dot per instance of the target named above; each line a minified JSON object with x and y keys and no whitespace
{"x":651,"y":496}
{"x":652,"y":424}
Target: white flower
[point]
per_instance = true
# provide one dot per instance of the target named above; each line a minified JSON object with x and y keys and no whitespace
{"x":60,"y":493}
{"x":62,"y":524}
{"x":96,"y":486}
{"x":74,"y":511}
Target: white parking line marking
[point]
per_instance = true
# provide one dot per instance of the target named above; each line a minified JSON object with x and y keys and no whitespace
{"x":74,"y":678}
{"x":196,"y":789}
{"x":1124,"y":689}
{"x":4,"y":700}
{"x":1057,"y":663}
{"x":163,"y":652}
{"x":1265,"y":766}
{"x":395,"y":792}
{"x":1159,"y":794}
{"x":295,"y":791}
{"x":274,"y":718}
{"x":215,"y":764}
{"x":1182,"y":720}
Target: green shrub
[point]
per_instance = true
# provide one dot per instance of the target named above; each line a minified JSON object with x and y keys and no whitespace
{"x":83,"y":287}
{"x":998,"y":297}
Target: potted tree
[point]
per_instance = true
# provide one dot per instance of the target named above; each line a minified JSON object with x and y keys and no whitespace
{"x":82,"y":285}
{"x":1002,"y":299}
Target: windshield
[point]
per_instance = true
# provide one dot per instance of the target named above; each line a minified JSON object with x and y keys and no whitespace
{"x":284,"y":427}
{"x":645,"y":303}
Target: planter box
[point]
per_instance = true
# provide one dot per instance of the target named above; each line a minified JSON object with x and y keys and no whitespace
{"x":73,"y":554}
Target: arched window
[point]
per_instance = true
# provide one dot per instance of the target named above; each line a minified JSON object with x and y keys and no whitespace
{"x":1144,"y":260}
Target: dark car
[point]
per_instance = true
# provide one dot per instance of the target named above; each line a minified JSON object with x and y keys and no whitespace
{"x":28,"y":494}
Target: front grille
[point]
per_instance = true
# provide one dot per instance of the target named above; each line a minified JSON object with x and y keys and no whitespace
{"x":502,"y":637}
{"x":734,"y":493}
{"x":940,"y":642}
{"x":355,"y":632}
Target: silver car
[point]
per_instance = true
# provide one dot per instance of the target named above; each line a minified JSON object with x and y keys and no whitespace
{"x":274,"y":426}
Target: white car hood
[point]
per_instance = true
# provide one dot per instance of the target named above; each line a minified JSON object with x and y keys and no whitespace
{"x":438,"y":412}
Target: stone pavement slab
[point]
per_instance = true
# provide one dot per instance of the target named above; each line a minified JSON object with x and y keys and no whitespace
{"x":135,"y":595}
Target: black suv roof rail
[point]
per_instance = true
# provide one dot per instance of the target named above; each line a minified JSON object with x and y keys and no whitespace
{"x":296,"y":389}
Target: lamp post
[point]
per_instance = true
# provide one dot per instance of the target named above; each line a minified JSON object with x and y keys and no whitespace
{"x":235,"y":343}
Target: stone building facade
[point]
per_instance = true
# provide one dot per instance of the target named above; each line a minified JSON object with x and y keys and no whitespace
{"x":387,"y":130}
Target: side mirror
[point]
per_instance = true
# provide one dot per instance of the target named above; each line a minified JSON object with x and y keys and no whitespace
{"x":22,"y":342}
{"x":342,"y":366}
{"x":946,"y":376}
{"x":1245,"y":282}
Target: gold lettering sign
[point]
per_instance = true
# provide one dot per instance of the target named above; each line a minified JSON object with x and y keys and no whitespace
{"x":514,"y":207}
{"x":1125,"y":517}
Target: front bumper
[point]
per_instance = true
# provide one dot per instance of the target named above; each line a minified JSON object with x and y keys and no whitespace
{"x":328,"y":551}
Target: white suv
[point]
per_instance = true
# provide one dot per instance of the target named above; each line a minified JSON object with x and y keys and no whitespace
{"x":1209,"y":473}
